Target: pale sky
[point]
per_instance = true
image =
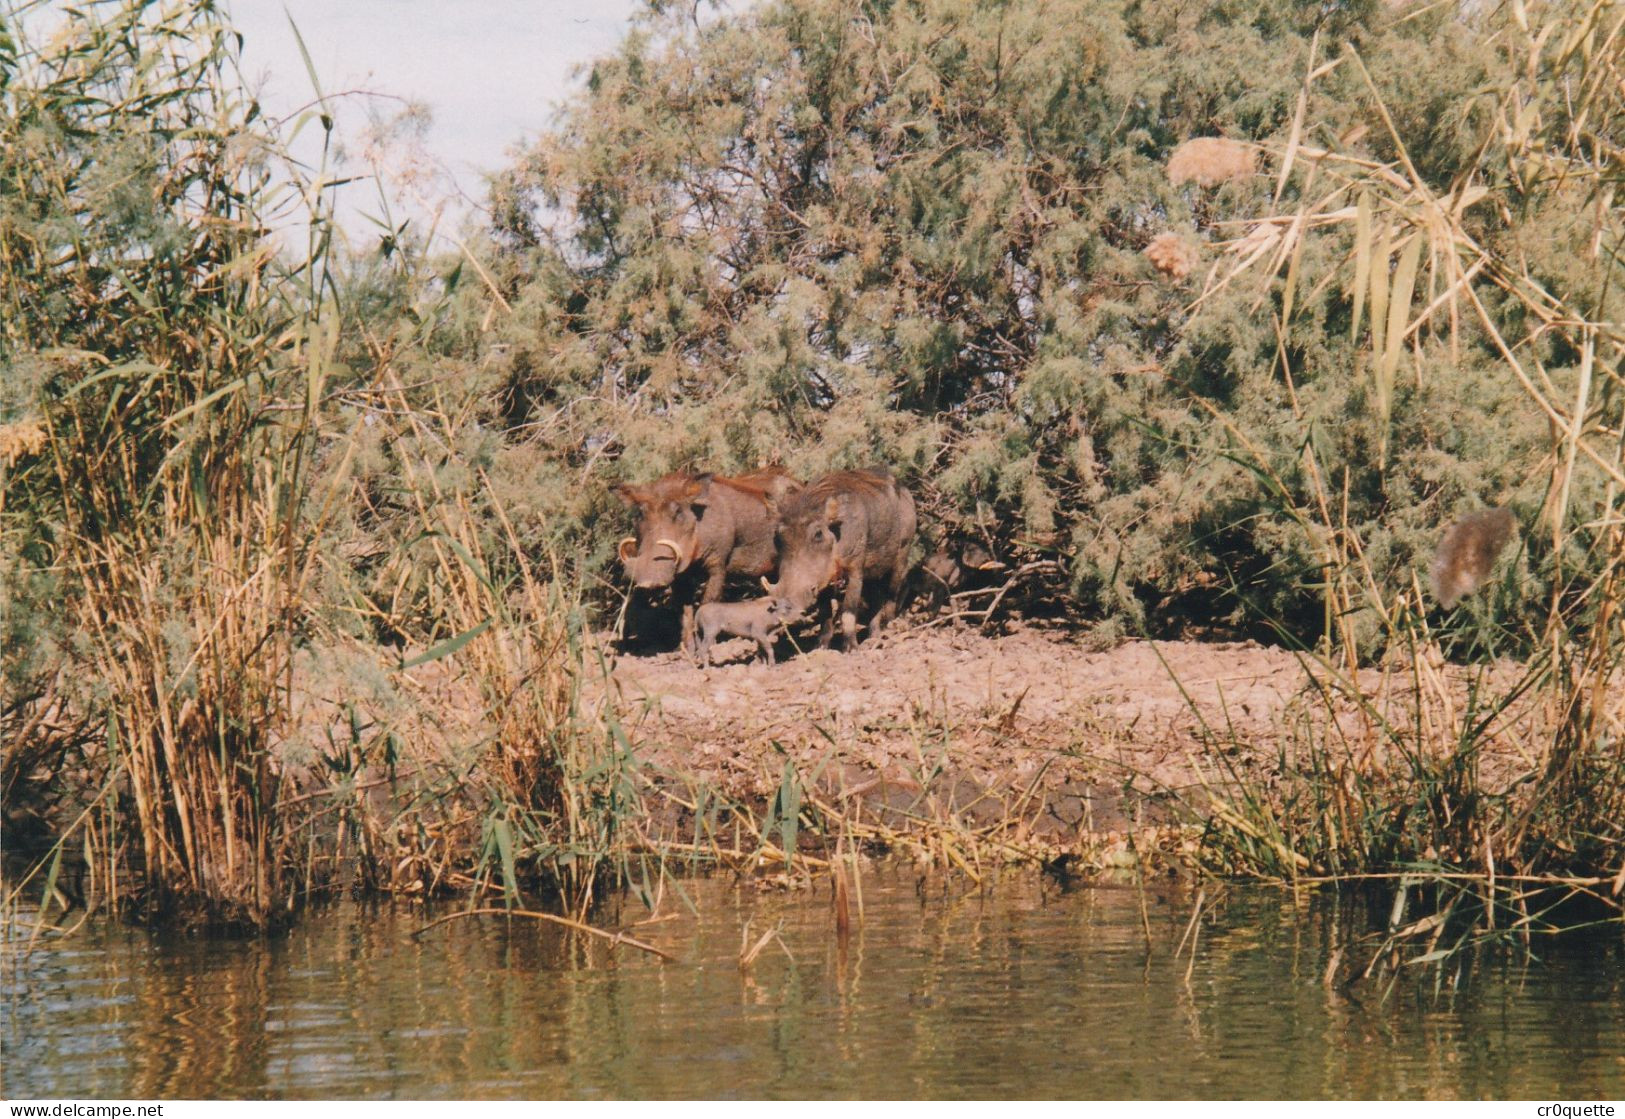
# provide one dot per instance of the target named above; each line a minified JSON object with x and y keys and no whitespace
{"x":490,"y":71}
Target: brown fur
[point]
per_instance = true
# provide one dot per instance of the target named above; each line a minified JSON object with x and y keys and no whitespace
{"x":1467,"y":553}
{"x":772,"y":482}
{"x":714,"y":524}
{"x":844,"y":529}
{"x":720,"y":524}
{"x":760,"y":619}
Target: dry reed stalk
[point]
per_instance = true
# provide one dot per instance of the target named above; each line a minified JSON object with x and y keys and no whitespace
{"x":749,"y":951}
{"x":192,"y":738}
{"x":562,"y":765}
{"x":1558,"y":128}
{"x":614,"y":939}
{"x":173,"y":466}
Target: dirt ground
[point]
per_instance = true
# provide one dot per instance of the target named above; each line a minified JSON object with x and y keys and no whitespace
{"x":1030,"y":724}
{"x":1030,"y":737}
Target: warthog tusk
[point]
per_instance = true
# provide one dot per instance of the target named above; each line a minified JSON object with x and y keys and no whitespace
{"x":767,"y":586}
{"x":621,"y":549}
{"x":665,"y":541}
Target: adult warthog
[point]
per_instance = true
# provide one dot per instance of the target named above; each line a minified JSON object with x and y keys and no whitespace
{"x":842,"y":531}
{"x":705,"y":522}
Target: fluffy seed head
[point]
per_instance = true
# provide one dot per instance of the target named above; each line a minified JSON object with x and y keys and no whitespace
{"x":1210,"y":160}
{"x":27,"y":437}
{"x":1172,"y":255}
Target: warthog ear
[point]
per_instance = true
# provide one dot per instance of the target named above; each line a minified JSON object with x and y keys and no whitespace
{"x":832,"y":514}
{"x":630,"y":494}
{"x":698,"y":494}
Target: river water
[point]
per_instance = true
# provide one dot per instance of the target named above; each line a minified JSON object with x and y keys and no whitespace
{"x":1025,"y":990}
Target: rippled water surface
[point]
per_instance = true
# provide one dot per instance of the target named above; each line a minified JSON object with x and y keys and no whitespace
{"x":1024,"y":991}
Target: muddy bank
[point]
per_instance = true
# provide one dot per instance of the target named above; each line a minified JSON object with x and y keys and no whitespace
{"x":1030,"y":743}
{"x":1031,"y":731}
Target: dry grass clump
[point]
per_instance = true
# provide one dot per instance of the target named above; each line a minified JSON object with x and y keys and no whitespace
{"x":1172,"y":255}
{"x":26,"y":437}
{"x":189,"y":651}
{"x":563,"y":791}
{"x":166,"y":518}
{"x":1211,"y":160}
{"x":1466,"y":554}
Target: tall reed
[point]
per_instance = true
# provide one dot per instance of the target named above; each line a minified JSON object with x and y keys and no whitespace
{"x":174,"y":356}
{"x":562,"y":788}
{"x":1410,"y":794}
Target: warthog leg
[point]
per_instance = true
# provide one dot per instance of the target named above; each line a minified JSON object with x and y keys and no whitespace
{"x":894,"y":594}
{"x":849,"y":629}
{"x":826,"y":630}
{"x":850,"y":602}
{"x":690,"y":636}
{"x":715,"y":575}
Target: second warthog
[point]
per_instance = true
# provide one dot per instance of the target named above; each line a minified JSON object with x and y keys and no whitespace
{"x":845,"y":530}
{"x":956,"y":565}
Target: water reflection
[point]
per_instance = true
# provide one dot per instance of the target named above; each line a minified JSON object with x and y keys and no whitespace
{"x":1025,"y":991}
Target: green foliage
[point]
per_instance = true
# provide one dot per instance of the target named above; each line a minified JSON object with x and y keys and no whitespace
{"x":915,"y":234}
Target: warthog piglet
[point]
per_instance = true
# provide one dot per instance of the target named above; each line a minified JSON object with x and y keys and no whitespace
{"x":760,"y":619}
